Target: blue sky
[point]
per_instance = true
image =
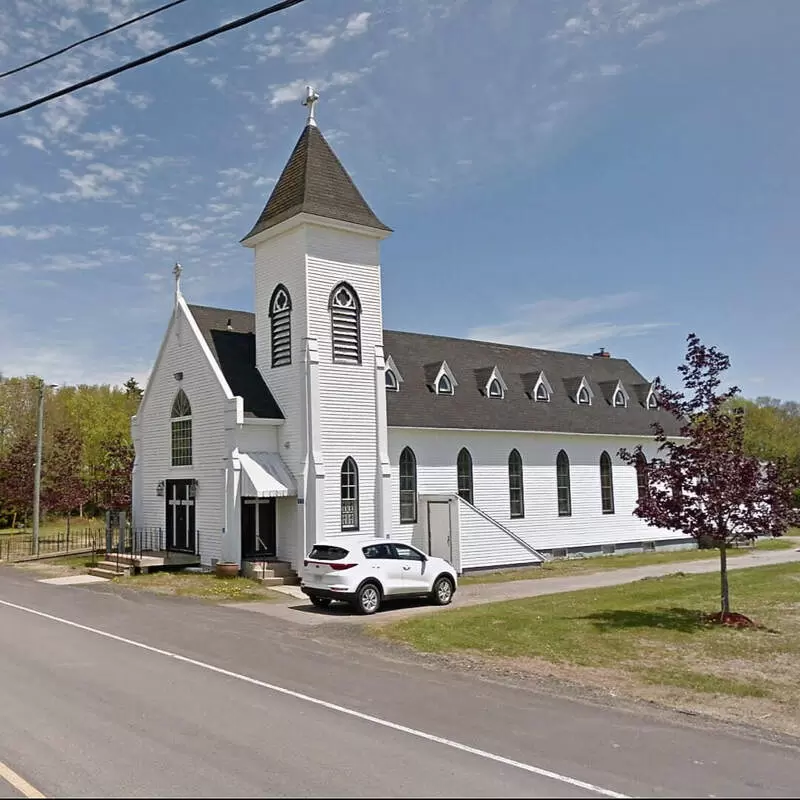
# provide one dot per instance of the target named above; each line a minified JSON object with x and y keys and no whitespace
{"x":568,"y":174}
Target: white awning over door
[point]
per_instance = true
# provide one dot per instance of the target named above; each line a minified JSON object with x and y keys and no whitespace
{"x":265,"y":475}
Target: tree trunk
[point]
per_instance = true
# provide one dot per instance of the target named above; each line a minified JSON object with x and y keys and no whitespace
{"x":723,"y":574}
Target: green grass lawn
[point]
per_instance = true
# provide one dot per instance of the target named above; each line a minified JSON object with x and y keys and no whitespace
{"x":61,"y":565}
{"x":202,"y":586}
{"x":648,"y":638}
{"x":579,"y":566}
{"x":57,"y":525}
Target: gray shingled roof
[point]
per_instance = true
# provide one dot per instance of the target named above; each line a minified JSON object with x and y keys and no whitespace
{"x":418,"y":358}
{"x":416,"y":405}
{"x":315,"y":181}
{"x":231,"y":337}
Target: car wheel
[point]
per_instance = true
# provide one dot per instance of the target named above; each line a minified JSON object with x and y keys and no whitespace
{"x":320,"y":602}
{"x":368,"y":599}
{"x":442,"y":593}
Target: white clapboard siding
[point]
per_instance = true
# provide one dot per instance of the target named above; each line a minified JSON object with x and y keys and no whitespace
{"x":542,"y":528}
{"x":182,"y":352}
{"x":287,"y":519}
{"x":347,"y":391}
{"x":477,"y":536}
{"x":255,"y":437}
{"x":282,"y":260}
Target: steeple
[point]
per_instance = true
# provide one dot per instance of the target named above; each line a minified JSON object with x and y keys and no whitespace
{"x":315,"y":182}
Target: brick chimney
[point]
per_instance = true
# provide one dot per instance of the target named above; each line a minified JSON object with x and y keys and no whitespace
{"x":601,"y":353}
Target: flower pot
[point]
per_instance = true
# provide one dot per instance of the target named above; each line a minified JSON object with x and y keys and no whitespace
{"x":226,"y":569}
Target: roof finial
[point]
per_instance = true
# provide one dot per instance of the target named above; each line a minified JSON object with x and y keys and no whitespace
{"x":311,"y":100}
{"x":176,"y":271}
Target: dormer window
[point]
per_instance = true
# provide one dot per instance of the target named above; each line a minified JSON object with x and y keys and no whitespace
{"x":542,"y":390}
{"x":493,"y":383}
{"x":652,"y":400}
{"x":440,"y":378}
{"x":583,"y":393}
{"x":392,"y":375}
{"x":619,"y":399}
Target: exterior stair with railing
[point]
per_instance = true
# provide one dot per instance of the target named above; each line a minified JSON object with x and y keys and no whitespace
{"x":115,"y":565}
{"x":110,"y":567}
{"x":271,"y":573}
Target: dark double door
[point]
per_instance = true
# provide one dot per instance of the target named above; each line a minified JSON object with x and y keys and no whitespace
{"x":181,"y":534}
{"x":258,"y":528}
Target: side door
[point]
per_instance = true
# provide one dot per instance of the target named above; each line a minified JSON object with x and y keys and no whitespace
{"x":413,"y":563}
{"x":380,"y":561}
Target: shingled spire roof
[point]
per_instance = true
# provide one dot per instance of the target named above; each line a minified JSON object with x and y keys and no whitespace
{"x":314,"y":181}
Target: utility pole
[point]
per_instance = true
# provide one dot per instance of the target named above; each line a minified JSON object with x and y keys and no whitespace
{"x":37,"y":475}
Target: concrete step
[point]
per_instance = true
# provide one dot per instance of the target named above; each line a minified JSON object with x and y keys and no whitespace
{"x":100,"y":572}
{"x":268,"y":569}
{"x":287,"y":580}
{"x":270,"y":573}
{"x":124,"y":558}
{"x":111,"y":566}
{"x":144,"y":561}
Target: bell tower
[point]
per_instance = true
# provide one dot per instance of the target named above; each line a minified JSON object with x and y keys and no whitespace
{"x":319,"y":340}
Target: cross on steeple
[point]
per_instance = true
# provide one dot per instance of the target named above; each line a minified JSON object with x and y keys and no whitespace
{"x":311,"y":100}
{"x":176,"y":271}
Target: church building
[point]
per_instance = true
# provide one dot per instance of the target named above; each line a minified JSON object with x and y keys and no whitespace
{"x":262,"y":433}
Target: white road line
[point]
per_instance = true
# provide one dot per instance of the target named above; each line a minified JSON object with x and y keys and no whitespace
{"x":18,"y":782}
{"x":546,"y":773}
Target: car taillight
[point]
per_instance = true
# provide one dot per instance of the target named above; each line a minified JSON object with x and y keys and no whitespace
{"x":340,"y":567}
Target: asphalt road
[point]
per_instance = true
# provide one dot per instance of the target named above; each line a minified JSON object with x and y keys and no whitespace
{"x":252,"y":706}
{"x":8,"y":791}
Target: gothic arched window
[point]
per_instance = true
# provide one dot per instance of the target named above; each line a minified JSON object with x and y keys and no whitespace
{"x":345,"y":325}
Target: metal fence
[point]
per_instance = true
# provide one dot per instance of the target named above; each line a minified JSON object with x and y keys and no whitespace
{"x":125,"y":541}
{"x":20,"y":546}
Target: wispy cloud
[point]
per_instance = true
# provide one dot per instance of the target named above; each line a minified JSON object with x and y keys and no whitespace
{"x":295,"y":89}
{"x":105,"y":140}
{"x":33,"y":141}
{"x":31,"y":234}
{"x":563,"y":323}
{"x":356,"y":25}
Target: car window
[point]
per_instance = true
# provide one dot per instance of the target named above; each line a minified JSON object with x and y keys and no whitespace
{"x":326,"y":552}
{"x":407,"y":553}
{"x":378,"y":551}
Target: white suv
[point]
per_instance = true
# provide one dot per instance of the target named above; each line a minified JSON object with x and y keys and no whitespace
{"x":366,"y":573}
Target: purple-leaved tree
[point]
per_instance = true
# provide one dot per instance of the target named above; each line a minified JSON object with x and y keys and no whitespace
{"x":702,"y":482}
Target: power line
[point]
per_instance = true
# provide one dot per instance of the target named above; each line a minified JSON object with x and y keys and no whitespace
{"x":282,"y":6}
{"x":91,"y":38}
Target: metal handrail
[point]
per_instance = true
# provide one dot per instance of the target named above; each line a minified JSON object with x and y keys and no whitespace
{"x":503,"y":528}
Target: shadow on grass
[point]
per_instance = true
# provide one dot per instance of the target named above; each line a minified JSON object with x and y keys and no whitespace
{"x":684,"y":620}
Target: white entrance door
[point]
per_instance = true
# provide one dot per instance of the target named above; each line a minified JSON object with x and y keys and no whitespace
{"x":439,"y":535}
